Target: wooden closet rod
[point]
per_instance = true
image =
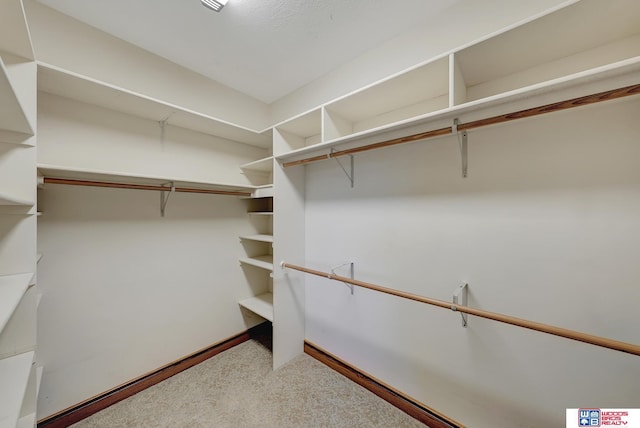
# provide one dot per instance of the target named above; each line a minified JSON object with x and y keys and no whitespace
{"x":141,"y":187}
{"x":532,"y":325}
{"x":535,"y":111}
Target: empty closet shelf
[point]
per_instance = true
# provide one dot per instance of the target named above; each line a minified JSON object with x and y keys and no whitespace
{"x":264,"y":262}
{"x":12,"y":288}
{"x":14,"y":372}
{"x":258,"y":237}
{"x":261,"y":305}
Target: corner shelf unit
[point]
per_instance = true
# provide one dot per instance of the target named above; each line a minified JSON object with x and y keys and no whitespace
{"x":259,"y":250}
{"x":527,"y":63}
{"x":12,"y":289}
{"x":15,"y":126}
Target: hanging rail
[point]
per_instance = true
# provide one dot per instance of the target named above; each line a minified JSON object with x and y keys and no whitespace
{"x":532,"y":325}
{"x":535,"y":111}
{"x":142,"y":187}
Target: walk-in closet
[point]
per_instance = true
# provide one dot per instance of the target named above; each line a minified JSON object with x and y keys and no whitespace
{"x":448,"y":218}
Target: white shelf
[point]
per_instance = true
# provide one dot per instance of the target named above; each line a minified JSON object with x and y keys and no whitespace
{"x":301,"y":131}
{"x":54,"y":171}
{"x":14,"y":32}
{"x":14,"y":125}
{"x":58,"y":81}
{"x":601,"y":78}
{"x":410,"y":94}
{"x":14,"y":372}
{"x":259,"y":237}
{"x":261,"y":305}
{"x":261,"y":165}
{"x":540,"y":50}
{"x":261,"y":213}
{"x":10,"y":200}
{"x":12,"y":288}
{"x":263,"y":262}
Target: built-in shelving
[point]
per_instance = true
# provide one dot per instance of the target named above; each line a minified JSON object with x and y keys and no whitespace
{"x":422,"y":90}
{"x":11,"y":200}
{"x":263,"y":262}
{"x":261,"y":213}
{"x":52,"y":171}
{"x":260,"y":165}
{"x":58,"y":81}
{"x":14,"y":32}
{"x":530,"y":60}
{"x":14,"y":372}
{"x":14,"y":124}
{"x":258,"y":237}
{"x":301,"y":131}
{"x":261,"y":305}
{"x":12,"y":288}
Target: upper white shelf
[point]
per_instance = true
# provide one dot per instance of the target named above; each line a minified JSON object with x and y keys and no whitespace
{"x":14,"y":32}
{"x":530,"y":62}
{"x":54,"y":171}
{"x":261,"y":165}
{"x":261,"y":213}
{"x":68,"y":84}
{"x":10,"y":200}
{"x":14,"y":125}
{"x":14,"y":372}
{"x":12,"y":288}
{"x":261,"y":305}
{"x":606,"y":77}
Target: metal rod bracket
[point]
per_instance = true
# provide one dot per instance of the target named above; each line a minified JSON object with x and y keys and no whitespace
{"x":460,"y":298}
{"x":351,"y":273}
{"x":350,"y":176}
{"x":164,"y":196}
{"x":462,"y":143}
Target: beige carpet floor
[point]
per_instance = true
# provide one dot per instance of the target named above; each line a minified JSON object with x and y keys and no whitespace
{"x":238,"y":389}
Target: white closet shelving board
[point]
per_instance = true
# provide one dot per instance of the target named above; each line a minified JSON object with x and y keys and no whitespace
{"x":14,"y":372}
{"x":584,"y":35}
{"x":262,"y":165}
{"x":261,"y":237}
{"x":12,"y":288}
{"x":14,"y":124}
{"x":412,"y":93}
{"x":14,"y":32}
{"x":263,"y":262}
{"x":71,"y":85}
{"x":261,"y":213}
{"x":261,"y":304}
{"x":54,"y":171}
{"x":300,"y":131}
{"x":265,"y":191}
{"x":606,"y":77}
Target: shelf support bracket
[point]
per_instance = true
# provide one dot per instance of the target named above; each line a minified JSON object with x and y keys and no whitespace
{"x":164,"y":196}
{"x":351,"y":273}
{"x":460,"y":298}
{"x":462,"y":143}
{"x":351,"y":161}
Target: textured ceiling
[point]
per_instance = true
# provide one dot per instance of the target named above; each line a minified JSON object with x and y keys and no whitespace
{"x":264,"y":48}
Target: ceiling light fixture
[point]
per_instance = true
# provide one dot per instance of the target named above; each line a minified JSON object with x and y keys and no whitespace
{"x":216,"y":5}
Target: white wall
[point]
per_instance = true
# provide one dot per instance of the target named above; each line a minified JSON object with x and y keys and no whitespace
{"x":126,"y":291}
{"x":546,"y":227}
